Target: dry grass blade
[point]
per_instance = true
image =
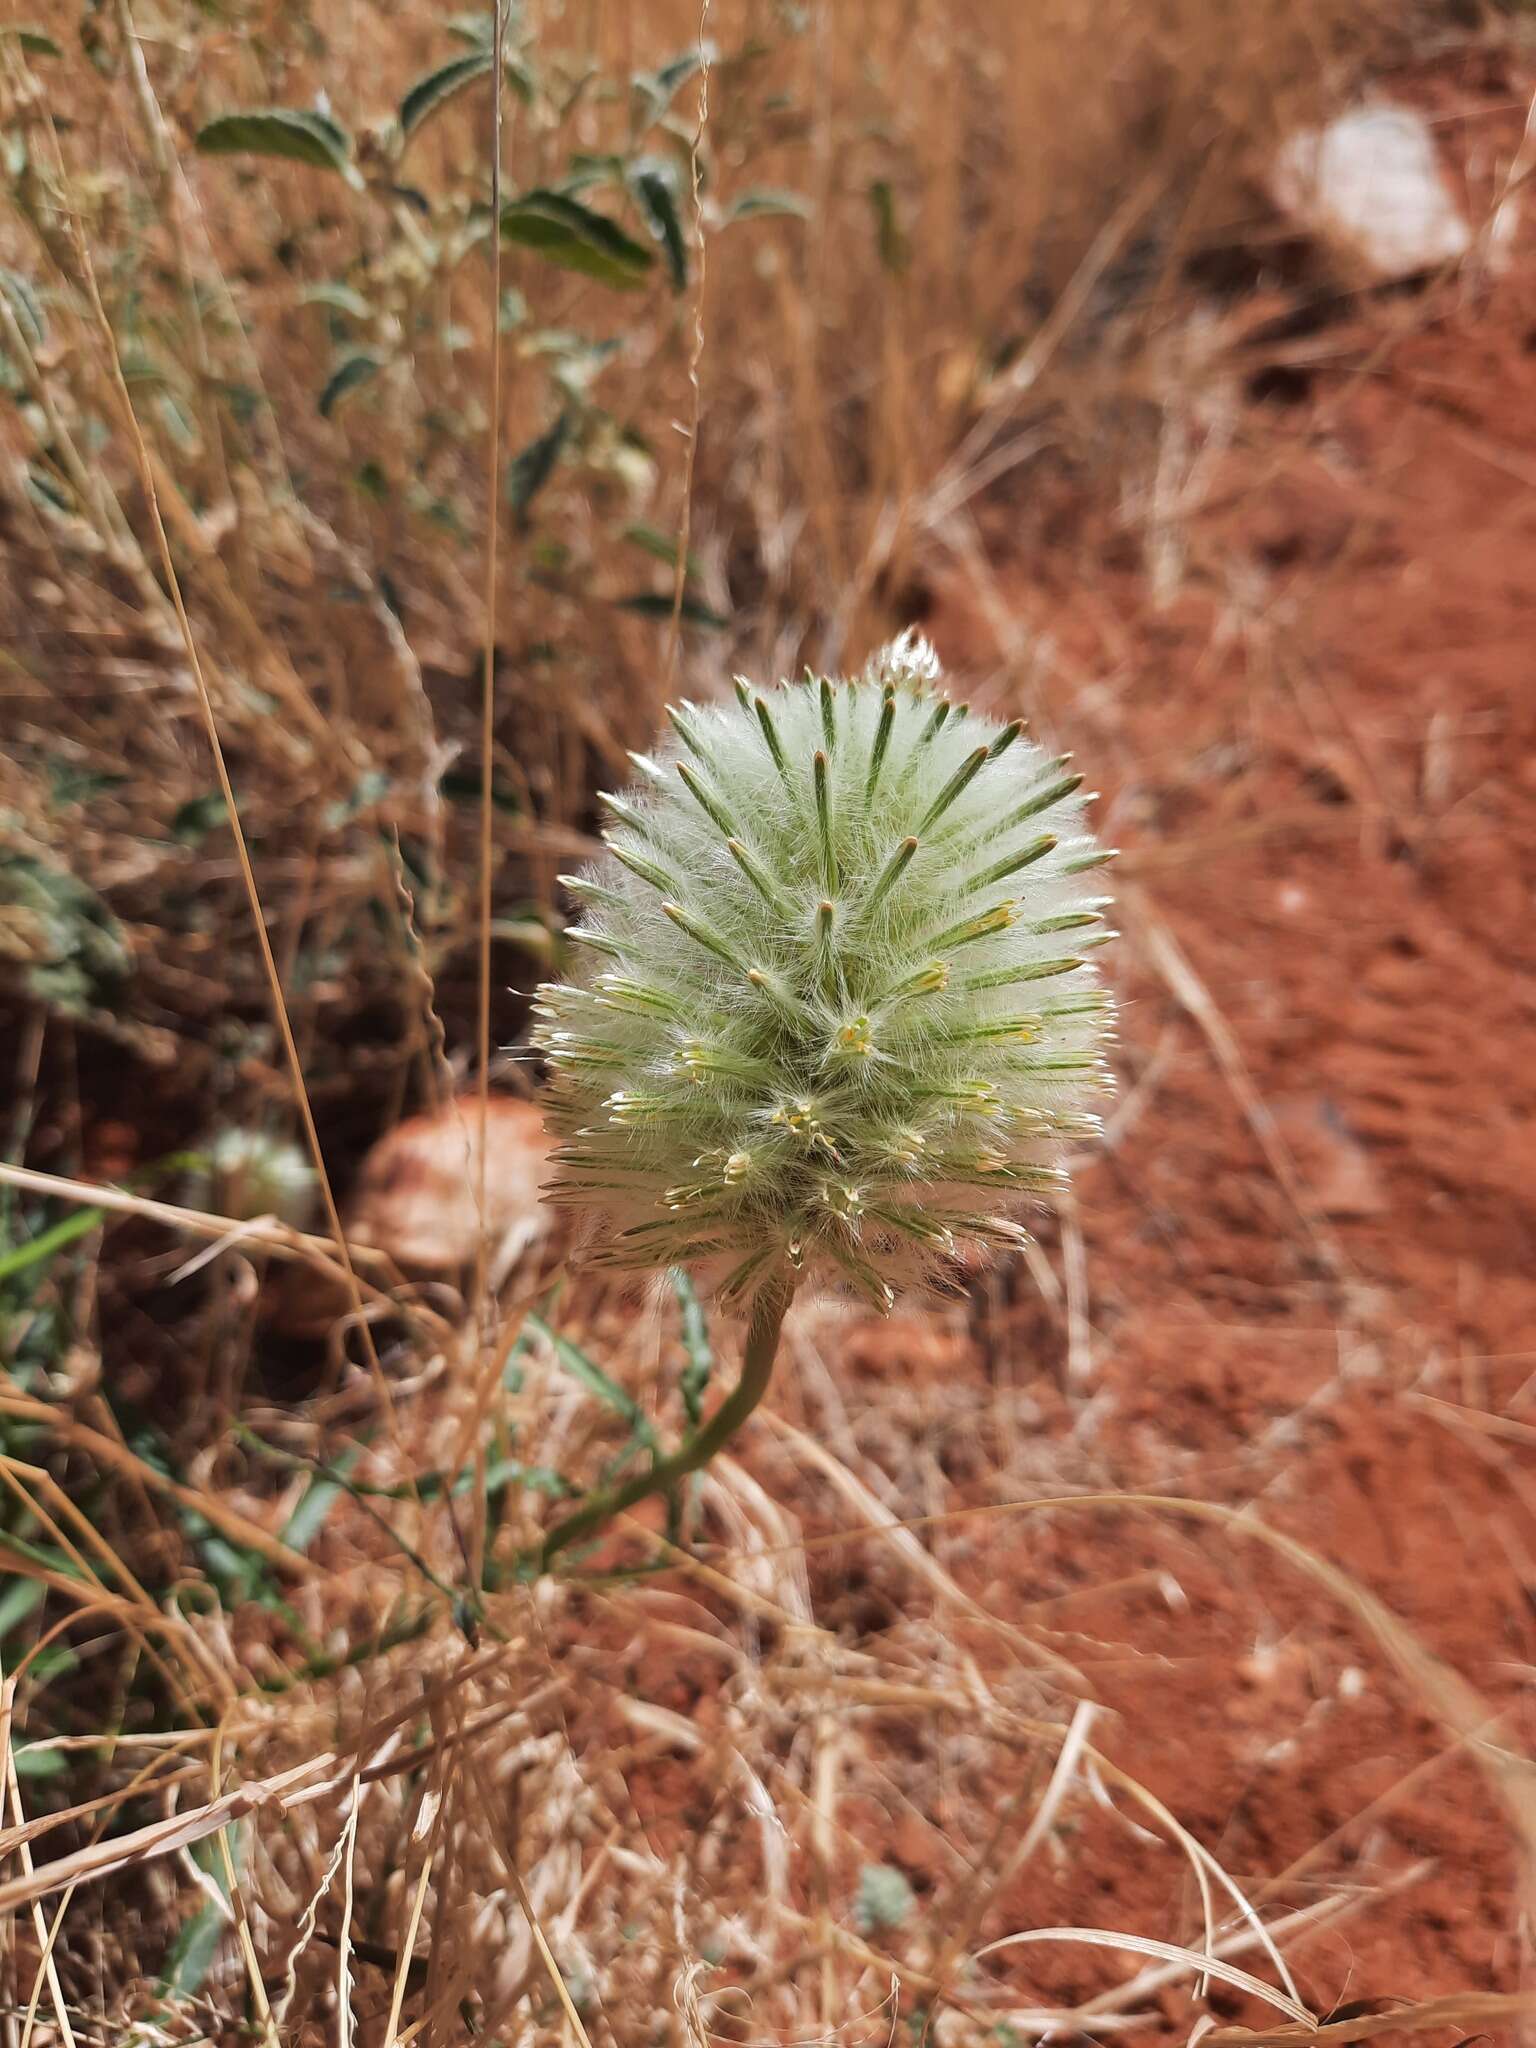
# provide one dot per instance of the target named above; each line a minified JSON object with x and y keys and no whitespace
{"x":279,"y":1005}
{"x":900,"y":1535}
{"x":114,"y":1456}
{"x":279,"y":1239}
{"x":557,"y":1982}
{"x":1199,"y":1962}
{"x":488,"y":679}
{"x":1461,"y":2010}
{"x":1191,"y":993}
{"x":162,"y":1837}
{"x":47,"y":1969}
{"x":695,"y":360}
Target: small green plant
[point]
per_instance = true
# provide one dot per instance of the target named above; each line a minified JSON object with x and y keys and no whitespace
{"x":842,"y":1013}
{"x":250,"y":1173}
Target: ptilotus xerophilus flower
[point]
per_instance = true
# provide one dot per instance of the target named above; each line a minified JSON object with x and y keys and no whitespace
{"x":836,"y":1010}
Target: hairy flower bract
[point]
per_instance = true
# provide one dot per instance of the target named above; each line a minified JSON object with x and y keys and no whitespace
{"x":838,"y":1007}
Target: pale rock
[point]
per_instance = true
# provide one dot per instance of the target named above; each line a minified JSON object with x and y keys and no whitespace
{"x":1369,"y":185}
{"x":417,"y":1196}
{"x":417,"y":1200}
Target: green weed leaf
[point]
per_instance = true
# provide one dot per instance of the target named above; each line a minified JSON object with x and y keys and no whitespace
{"x":301,"y":134}
{"x":573,"y":1360}
{"x":655,"y":186}
{"x":895,"y":249}
{"x":573,"y":236}
{"x":885,"y":1899}
{"x":349,"y":374}
{"x":47,"y":1242}
{"x":532,"y":467}
{"x":26,"y":307}
{"x":658,"y":88}
{"x":432,"y":92}
{"x":657,"y":604}
{"x":33,"y":41}
{"x":700,"y":1366}
{"x":765,"y":203}
{"x":339,"y":298}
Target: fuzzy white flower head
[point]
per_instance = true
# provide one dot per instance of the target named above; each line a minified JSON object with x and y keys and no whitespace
{"x":842,"y":1010}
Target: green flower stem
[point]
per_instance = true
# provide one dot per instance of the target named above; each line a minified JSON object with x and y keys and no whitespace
{"x":768,"y":1311}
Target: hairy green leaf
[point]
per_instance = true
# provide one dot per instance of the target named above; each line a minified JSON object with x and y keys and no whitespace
{"x":49,"y":1241}
{"x":572,"y":235}
{"x":700,"y":1356}
{"x":654,"y":182}
{"x":591,"y":1376}
{"x":885,"y":1899}
{"x":349,"y":374}
{"x":340,"y":298}
{"x":895,"y":249}
{"x":32,"y":40}
{"x":301,"y":134}
{"x":532,"y":467}
{"x":26,"y":306}
{"x":657,"y":604}
{"x":659,"y":87}
{"x":764,"y":203}
{"x":435,"y":89}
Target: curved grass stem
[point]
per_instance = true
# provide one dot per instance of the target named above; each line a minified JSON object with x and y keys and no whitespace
{"x":768,"y":1311}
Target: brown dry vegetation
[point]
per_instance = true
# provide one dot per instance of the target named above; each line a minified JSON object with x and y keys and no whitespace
{"x":293,"y":1746}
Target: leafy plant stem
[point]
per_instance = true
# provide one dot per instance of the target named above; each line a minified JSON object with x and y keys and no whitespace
{"x":767,"y":1321}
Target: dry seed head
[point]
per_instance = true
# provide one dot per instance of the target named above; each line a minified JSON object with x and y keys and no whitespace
{"x":809,"y":1030}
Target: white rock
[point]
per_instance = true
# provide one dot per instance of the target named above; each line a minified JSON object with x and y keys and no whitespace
{"x":1370,"y":186}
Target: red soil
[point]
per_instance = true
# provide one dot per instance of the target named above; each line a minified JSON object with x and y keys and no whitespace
{"x":1320,"y":757}
{"x":1308,"y":1256}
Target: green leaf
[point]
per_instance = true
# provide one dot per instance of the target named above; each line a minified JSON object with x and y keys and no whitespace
{"x":435,"y":89}
{"x":654,"y":182}
{"x":340,"y":298}
{"x":895,"y":249}
{"x":478,"y":30}
{"x":657,"y":604}
{"x":191,"y":1954}
{"x":465,"y":789}
{"x":299,"y":133}
{"x":47,"y":1556}
{"x":595,"y":1380}
{"x":349,"y":374}
{"x":764,"y":203}
{"x":587,"y":168}
{"x":319,"y":1497}
{"x":532,"y":467}
{"x":38,"y":1764}
{"x":567,"y":233}
{"x":26,"y":306}
{"x":20,"y":1598}
{"x":700,"y":1366}
{"x":33,"y":41}
{"x":884,"y":1901}
{"x":662,"y":545}
{"x":178,"y":421}
{"x":47,"y":1242}
{"x":73,"y":951}
{"x":660,"y":86}
{"x":199,"y":816}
